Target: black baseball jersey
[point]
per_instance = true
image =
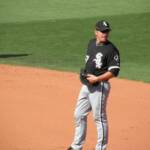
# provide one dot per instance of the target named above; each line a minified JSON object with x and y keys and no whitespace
{"x":102,"y":58}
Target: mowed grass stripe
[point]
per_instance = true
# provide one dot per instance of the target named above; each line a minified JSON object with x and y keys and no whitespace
{"x":28,"y":10}
{"x":61,"y":44}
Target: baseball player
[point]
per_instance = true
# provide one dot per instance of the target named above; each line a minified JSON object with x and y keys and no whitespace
{"x":102,"y":63}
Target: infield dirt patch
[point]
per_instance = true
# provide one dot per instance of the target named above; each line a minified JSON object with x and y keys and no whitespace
{"x":36,"y":111}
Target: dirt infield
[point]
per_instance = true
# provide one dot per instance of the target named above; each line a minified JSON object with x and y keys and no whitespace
{"x":36,"y":111}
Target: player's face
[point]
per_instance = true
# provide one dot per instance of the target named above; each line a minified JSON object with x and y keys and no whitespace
{"x":102,"y":36}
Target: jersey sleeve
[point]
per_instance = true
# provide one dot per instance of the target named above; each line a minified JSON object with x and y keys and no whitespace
{"x":113,"y":61}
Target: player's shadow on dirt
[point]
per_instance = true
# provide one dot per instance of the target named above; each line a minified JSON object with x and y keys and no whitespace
{"x":13,"y":55}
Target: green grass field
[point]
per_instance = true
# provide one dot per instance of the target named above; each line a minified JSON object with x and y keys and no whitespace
{"x":54,"y":34}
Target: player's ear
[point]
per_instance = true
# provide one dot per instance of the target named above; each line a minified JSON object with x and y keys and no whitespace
{"x":95,"y":31}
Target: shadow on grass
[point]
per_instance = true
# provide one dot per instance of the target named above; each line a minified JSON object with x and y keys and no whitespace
{"x":13,"y":55}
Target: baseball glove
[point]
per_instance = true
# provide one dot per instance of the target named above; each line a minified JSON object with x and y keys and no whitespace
{"x":83,"y":77}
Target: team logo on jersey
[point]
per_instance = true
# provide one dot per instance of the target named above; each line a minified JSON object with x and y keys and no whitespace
{"x":98,"y":60}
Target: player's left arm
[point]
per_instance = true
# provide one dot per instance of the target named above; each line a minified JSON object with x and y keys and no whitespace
{"x":113,"y":62}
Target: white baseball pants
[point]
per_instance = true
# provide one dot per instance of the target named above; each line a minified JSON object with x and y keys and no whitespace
{"x":91,"y":99}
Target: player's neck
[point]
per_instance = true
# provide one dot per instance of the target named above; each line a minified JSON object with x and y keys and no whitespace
{"x":98,"y":42}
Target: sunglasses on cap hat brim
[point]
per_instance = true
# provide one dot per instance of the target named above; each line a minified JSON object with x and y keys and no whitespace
{"x":104,"y":30}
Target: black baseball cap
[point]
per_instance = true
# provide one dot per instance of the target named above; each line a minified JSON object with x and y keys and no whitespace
{"x":102,"y":26}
